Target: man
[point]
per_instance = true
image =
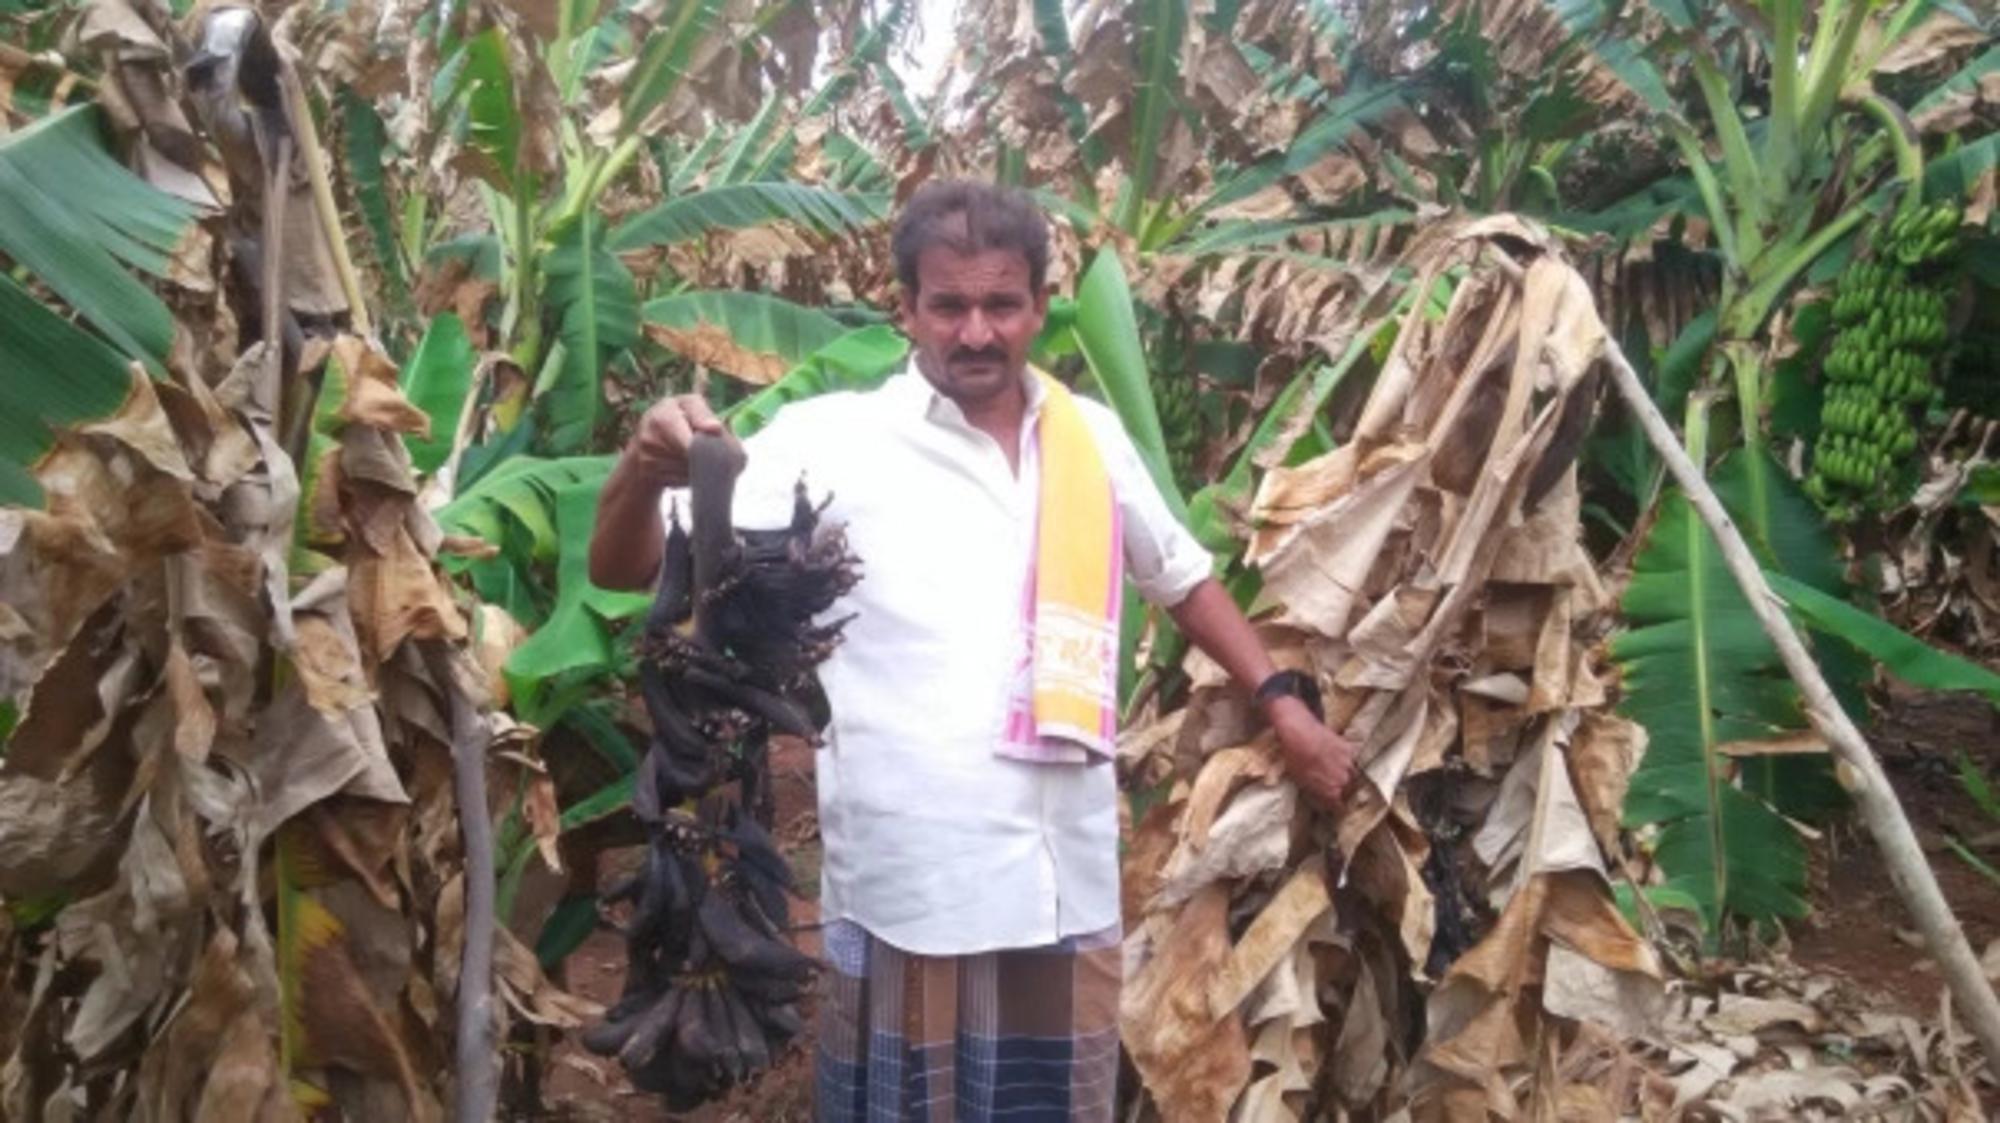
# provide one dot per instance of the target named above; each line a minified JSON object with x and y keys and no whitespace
{"x":967,"y":803}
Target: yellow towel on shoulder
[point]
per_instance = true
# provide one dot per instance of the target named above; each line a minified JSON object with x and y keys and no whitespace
{"x":1065,"y":701}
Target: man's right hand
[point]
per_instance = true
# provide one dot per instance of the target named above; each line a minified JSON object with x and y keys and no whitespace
{"x":660,"y":447}
{"x":626,"y":543}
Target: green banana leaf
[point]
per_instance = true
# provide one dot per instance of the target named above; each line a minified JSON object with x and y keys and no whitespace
{"x":750,"y":156}
{"x":859,"y":360}
{"x":492,"y":115}
{"x":1699,"y":673}
{"x":596,"y":303}
{"x":1162,"y":24}
{"x":1353,"y":110}
{"x":1108,"y":332}
{"x":690,"y":166}
{"x":663,"y":62}
{"x":1899,"y":652}
{"x":436,"y":380}
{"x":57,"y":374}
{"x":1965,"y":81}
{"x":756,"y":330}
{"x":574,"y":648}
{"x":741,"y":205}
{"x":1958,"y":174}
{"x":513,"y":507}
{"x":74,"y":218}
{"x":367,"y":141}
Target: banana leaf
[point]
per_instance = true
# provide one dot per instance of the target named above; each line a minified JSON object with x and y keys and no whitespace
{"x":596,"y":303}
{"x":742,"y":205}
{"x":73,"y":217}
{"x":492,"y":114}
{"x":751,"y":335}
{"x":367,"y":155}
{"x":1703,"y":679}
{"x":436,"y":380}
{"x":513,"y":507}
{"x":1354,"y":109}
{"x":663,"y":62}
{"x":1108,"y":332}
{"x":750,"y":156}
{"x":859,"y":360}
{"x":1161,"y":26}
{"x":1899,"y":652}
{"x":574,"y":647}
{"x":57,"y":374}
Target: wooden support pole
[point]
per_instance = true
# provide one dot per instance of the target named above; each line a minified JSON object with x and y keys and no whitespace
{"x":1876,"y":801}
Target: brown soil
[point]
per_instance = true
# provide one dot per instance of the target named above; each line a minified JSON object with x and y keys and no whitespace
{"x":1858,"y":929}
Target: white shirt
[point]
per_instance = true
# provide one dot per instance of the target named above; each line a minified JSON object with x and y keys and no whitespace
{"x":934,"y":843}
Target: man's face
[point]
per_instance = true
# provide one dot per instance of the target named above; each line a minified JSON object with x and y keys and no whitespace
{"x":972,"y":319}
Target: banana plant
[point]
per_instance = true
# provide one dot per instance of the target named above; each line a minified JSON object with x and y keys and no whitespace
{"x":1784,"y":190}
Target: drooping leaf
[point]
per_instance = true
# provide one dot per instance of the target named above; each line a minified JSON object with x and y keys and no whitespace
{"x":596,"y":303}
{"x":1352,"y":110}
{"x":750,"y":156}
{"x":572,"y":922}
{"x":1902,"y":654}
{"x":859,"y":360}
{"x":436,"y":380}
{"x":742,"y":205}
{"x":752,"y":335}
{"x":76,"y":219}
{"x":1958,"y":174}
{"x":593,"y":722}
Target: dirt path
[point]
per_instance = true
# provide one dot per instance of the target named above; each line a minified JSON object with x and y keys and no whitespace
{"x":1858,"y":928}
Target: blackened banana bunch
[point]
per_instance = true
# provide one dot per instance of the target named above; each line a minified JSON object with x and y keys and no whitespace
{"x":1892,"y":312}
{"x":712,"y":984}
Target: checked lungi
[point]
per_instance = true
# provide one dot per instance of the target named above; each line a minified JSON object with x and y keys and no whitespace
{"x":1022,"y":1036}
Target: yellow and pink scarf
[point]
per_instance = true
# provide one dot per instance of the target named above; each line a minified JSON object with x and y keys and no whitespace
{"x":1064,"y":705}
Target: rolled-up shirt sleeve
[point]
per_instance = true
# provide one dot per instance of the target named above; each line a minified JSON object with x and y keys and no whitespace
{"x":1164,"y":560}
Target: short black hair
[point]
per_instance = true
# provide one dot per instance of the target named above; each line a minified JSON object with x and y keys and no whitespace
{"x":970,"y":217}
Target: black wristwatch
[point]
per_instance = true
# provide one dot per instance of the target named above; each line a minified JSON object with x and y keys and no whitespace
{"x":1298,"y":684}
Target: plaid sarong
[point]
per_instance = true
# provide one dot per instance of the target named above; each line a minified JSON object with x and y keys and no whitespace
{"x":1024,"y":1035}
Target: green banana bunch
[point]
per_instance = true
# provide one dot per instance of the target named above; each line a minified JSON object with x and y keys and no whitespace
{"x":712,"y":986}
{"x":1891,"y":312}
{"x":1176,"y":397}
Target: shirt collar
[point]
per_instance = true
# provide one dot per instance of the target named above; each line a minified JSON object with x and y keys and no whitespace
{"x":913,"y":387}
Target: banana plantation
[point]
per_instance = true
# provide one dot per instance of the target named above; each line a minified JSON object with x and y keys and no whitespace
{"x":1599,"y":400}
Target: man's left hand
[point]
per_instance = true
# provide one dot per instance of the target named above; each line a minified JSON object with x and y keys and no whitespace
{"x":1319,"y":761}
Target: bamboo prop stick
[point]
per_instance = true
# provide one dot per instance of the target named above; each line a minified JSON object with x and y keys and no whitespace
{"x":324,"y":206}
{"x":1873,"y":797}
{"x":478,"y":1090}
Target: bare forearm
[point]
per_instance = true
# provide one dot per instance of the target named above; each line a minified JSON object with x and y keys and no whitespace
{"x":1209,"y":618}
{"x":1318,"y":759}
{"x":626,"y":543}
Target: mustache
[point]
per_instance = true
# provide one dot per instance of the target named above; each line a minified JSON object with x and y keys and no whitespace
{"x":983,"y":354}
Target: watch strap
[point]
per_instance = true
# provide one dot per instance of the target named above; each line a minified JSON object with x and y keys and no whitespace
{"x":1298,"y":684}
